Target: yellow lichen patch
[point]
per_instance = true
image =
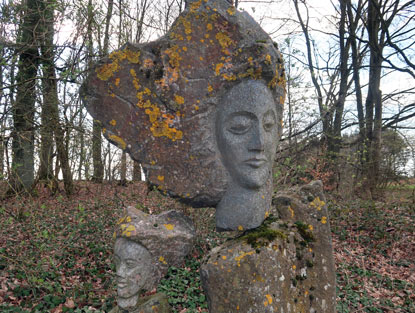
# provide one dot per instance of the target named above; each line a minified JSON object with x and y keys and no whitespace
{"x":161,"y":128}
{"x":113,"y":122}
{"x":117,"y":56}
{"x":229,"y":77}
{"x":178,"y":99}
{"x":237,"y":307}
{"x":241,"y":256}
{"x":294,"y":267}
{"x":210,"y":88}
{"x":317,"y":203}
{"x":104,"y":130}
{"x":195,"y":5}
{"x":240,"y":228}
{"x":224,"y":40}
{"x":119,"y":141}
{"x":117,"y":82}
{"x":201,"y":58}
{"x":310,"y":227}
{"x":217,"y":68}
{"x":133,"y":57}
{"x":266,"y":214}
{"x":268,"y":59}
{"x":324,"y":220}
{"x":209,"y":26}
{"x":169,"y":226}
{"x":127,"y":230}
{"x":174,"y":56}
{"x":196,"y":107}
{"x":162,"y":260}
{"x":231,"y":10}
{"x":291,"y":211}
{"x":207,"y":36}
{"x":160,"y":178}
{"x":269,"y":298}
{"x":310,"y":250}
{"x":184,"y":48}
{"x":125,"y":219}
{"x":224,"y":257}
{"x":106,"y":71}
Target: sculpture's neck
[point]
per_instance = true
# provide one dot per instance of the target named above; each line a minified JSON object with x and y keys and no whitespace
{"x":127,"y":303}
{"x":242,"y":208}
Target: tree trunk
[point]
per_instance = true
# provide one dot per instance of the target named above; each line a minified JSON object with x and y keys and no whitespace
{"x":24,"y":107}
{"x":98,"y":175}
{"x":373,"y":103}
{"x":136,"y":171}
{"x":50,"y":98}
{"x":123,"y":172}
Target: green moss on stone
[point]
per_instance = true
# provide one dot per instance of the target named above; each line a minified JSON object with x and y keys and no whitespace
{"x":263,"y":235}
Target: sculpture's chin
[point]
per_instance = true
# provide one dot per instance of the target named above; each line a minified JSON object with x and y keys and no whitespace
{"x":255,"y":179}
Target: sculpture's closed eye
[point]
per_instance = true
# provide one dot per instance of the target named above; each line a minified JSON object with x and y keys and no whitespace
{"x":269,"y":120}
{"x":239,"y":123}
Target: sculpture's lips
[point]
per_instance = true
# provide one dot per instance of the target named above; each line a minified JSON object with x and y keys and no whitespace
{"x":121,"y":284}
{"x":256,"y":162}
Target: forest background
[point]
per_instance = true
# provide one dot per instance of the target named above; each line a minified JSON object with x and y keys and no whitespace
{"x":349,"y":121}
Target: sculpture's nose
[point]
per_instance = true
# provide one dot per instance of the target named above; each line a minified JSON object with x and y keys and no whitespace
{"x":257,"y":140}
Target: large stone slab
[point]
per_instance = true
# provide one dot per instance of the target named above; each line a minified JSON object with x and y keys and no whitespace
{"x":160,"y":102}
{"x":284,"y":266}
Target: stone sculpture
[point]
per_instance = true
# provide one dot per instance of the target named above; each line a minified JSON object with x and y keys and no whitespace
{"x":164,"y":103}
{"x":145,"y":246}
{"x":201,"y":110}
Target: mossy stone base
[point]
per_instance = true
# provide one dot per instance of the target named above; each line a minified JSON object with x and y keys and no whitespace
{"x":286,"y":265}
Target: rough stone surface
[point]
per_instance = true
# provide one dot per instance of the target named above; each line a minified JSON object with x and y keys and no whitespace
{"x":284,"y":266}
{"x":159,"y":101}
{"x":156,"y":303}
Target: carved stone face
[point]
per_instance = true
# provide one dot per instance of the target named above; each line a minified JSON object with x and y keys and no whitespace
{"x":246,"y":132}
{"x":133,"y":266}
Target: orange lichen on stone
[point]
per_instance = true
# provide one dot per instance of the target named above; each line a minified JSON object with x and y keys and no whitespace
{"x":148,"y":63}
{"x":162,"y":260}
{"x":317,"y":203}
{"x":209,"y":26}
{"x":178,"y":99}
{"x":324,"y":220}
{"x":242,"y":255}
{"x":169,"y":226}
{"x":195,"y":5}
{"x":133,"y":57}
{"x":160,"y":178}
{"x":119,"y":141}
{"x":117,"y":81}
{"x":269,"y":299}
{"x":310,"y":227}
{"x":210,"y":88}
{"x":174,"y":56}
{"x":291,"y":211}
{"x":224,"y":40}
{"x":113,"y":122}
{"x":229,"y":77}
{"x":106,"y":71}
{"x":231,"y":10}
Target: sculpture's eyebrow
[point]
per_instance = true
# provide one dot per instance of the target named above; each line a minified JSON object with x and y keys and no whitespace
{"x":241,"y":113}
